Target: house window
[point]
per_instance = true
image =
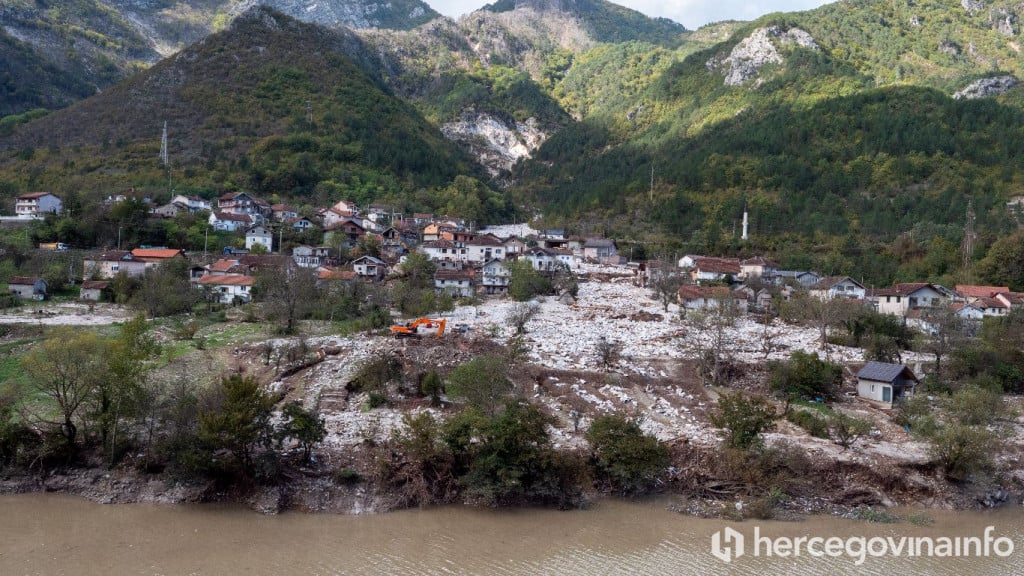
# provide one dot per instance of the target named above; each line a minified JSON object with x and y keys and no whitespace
{"x":115,"y":267}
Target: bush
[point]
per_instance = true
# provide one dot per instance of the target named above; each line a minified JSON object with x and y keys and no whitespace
{"x":814,"y":425}
{"x":805,"y":376}
{"x":963,"y":451}
{"x":376,"y":399}
{"x":975,"y":406}
{"x":846,"y":430}
{"x":482,"y":382}
{"x":743,"y":419}
{"x":347,"y":477}
{"x":432,"y":386}
{"x":917,"y":414}
{"x":624,"y":458}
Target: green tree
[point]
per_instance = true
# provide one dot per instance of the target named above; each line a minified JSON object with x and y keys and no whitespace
{"x":623,"y":457}
{"x":516,"y":462}
{"x":237,"y":419}
{"x":1003,"y":265}
{"x":68,"y":368}
{"x":846,"y":430}
{"x":804,"y":377}
{"x":288,"y":293}
{"x":525,"y":282}
{"x":481,"y":382}
{"x":127,"y":368}
{"x":304,"y":426}
{"x":166,"y":290}
{"x":743,"y":419}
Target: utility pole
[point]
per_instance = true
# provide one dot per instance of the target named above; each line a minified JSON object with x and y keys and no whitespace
{"x":968,"y":244}
{"x":652,"y":183}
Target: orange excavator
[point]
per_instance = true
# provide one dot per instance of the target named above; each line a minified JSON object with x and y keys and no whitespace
{"x":411,"y":329}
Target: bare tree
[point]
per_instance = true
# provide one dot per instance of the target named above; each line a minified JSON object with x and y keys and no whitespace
{"x":608,"y":352}
{"x":665,"y":280}
{"x":519,"y":314}
{"x":822,"y":314}
{"x":289,"y":292}
{"x":769,"y":336}
{"x":946,"y":334}
{"x":710,"y":341}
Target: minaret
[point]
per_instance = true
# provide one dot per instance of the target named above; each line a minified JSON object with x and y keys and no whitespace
{"x":745,"y":222}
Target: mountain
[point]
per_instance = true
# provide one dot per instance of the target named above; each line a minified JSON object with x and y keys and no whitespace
{"x":270,"y":104}
{"x":845,"y":129}
{"x":81,"y":46}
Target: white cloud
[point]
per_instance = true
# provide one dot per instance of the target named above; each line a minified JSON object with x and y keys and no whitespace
{"x":690,"y":13}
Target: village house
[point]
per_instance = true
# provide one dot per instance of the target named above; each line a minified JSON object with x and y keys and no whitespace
{"x":326,"y":276}
{"x":554,"y":239}
{"x":259,"y":235}
{"x":495,"y":277}
{"x":351,"y":228}
{"x":229,"y":288}
{"x":245,"y":204}
{"x":422,"y":218}
{"x":803,"y":278}
{"x":27,"y":287}
{"x":370,"y":268}
{"x":484,"y":247}
{"x":693,"y":297}
{"x":455,"y":283}
{"x":599,"y":249}
{"x":108,"y":264}
{"x":168,"y":211}
{"x":301,"y":223}
{"x":193,"y":204}
{"x":397,"y":240}
{"x":758,"y":267}
{"x":837,"y":287}
{"x":885,"y":383}
{"x":514,"y":246}
{"x":310,"y":257}
{"x":153,"y":257}
{"x":94,"y":290}
{"x":35,"y":204}
{"x":228,"y":222}
{"x":444,"y":251}
{"x":548,"y":259}
{"x":282,"y":213}
{"x":1011,"y":299}
{"x":709,"y":269}
{"x":903,"y":297}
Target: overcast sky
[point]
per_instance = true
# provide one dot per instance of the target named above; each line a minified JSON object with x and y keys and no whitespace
{"x":690,"y":13}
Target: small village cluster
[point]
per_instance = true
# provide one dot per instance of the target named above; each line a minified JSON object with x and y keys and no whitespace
{"x":475,"y":262}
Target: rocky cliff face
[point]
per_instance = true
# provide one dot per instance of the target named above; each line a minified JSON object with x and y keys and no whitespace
{"x":746,"y":59}
{"x":398,"y":14}
{"x":496,"y":143}
{"x":986,"y":88}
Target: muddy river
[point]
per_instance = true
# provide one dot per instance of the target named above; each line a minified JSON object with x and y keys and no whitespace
{"x":52,"y":535}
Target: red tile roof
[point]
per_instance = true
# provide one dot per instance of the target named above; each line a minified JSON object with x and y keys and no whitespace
{"x":33,"y":195}
{"x":95,"y":285}
{"x":23,"y":280}
{"x":980,"y":291}
{"x":158,"y":253}
{"x":690,"y":292}
{"x":227,"y":280}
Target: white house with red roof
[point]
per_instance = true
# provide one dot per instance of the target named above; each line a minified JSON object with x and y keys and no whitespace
{"x":35,"y":204}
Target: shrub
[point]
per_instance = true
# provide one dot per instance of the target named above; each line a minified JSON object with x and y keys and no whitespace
{"x":805,"y":376}
{"x":623,"y":457}
{"x":975,"y":406}
{"x":743,"y":419}
{"x":482,"y":382}
{"x":917,"y":414}
{"x":846,"y":430}
{"x":814,"y":425}
{"x":347,"y":477}
{"x":963,"y":451}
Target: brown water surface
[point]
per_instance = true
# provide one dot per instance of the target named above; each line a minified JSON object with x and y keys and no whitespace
{"x":52,"y":535}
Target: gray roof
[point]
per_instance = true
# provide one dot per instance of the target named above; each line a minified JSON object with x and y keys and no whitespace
{"x":884,"y":372}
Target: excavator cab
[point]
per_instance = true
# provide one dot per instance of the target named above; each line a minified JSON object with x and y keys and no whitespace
{"x":412,"y":329}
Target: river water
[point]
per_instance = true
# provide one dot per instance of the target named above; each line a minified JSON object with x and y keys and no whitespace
{"x":53,"y":535}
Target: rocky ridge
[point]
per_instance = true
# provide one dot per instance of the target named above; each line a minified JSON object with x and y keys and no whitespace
{"x":986,"y":88}
{"x":757,"y":50}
